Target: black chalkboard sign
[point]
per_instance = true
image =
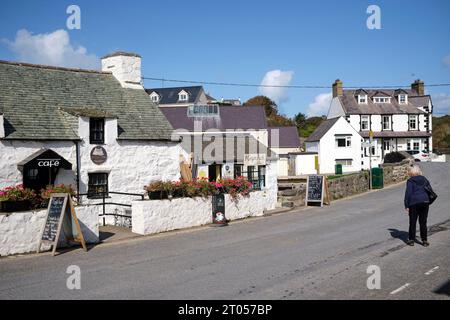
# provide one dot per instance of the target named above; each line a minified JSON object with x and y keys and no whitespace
{"x":61,"y":217}
{"x":55,"y":210}
{"x":315,"y":189}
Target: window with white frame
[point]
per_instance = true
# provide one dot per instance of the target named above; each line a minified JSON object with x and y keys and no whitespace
{"x":386,"y":122}
{"x":403,"y":99}
{"x":203,"y":110}
{"x":362,"y":98}
{"x":364,"y":123}
{"x":155,"y":98}
{"x":343,"y":141}
{"x":382,"y":99}
{"x":183,"y":96}
{"x":412,"y":144}
{"x":412,"y":122}
{"x":344,"y":162}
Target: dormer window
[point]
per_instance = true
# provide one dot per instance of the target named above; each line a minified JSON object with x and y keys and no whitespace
{"x":403,"y":99}
{"x":382,"y":100}
{"x":154,"y":97}
{"x":362,"y":99}
{"x":361,"y":96}
{"x":183,"y":96}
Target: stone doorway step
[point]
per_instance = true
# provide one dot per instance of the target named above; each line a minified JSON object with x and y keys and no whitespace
{"x":110,"y":234}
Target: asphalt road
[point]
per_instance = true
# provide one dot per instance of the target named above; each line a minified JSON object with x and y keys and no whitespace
{"x":318,"y":253}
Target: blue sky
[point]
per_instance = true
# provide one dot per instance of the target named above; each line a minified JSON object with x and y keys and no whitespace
{"x":312,"y":43}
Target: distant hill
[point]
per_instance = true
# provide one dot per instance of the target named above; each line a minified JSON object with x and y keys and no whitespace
{"x":441,"y":132}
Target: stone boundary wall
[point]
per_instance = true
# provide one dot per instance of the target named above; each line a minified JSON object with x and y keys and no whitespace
{"x":396,"y":172}
{"x":348,"y":185}
{"x":20,"y":231}
{"x":156,"y":216}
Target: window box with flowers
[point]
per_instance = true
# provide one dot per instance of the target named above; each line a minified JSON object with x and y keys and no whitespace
{"x":159,"y":190}
{"x":60,"y":188}
{"x":17,"y":198}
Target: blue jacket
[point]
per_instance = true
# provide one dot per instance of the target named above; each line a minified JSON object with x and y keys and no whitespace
{"x":415,"y":192}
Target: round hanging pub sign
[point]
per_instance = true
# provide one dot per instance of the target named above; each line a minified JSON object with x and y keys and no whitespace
{"x":99,"y":155}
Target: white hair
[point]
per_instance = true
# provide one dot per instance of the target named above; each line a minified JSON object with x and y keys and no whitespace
{"x":415,"y":170}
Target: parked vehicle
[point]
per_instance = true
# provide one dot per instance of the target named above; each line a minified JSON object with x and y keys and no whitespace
{"x":419,"y":155}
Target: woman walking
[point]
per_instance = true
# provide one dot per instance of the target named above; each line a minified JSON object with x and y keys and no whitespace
{"x":417,"y":203}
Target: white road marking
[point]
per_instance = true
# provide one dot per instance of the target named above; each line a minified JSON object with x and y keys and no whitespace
{"x":431,"y":270}
{"x":406,"y":285}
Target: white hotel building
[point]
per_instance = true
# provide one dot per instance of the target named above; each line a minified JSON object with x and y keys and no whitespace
{"x":400,"y":119}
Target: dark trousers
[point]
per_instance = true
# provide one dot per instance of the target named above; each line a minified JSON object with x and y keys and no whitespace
{"x":418,"y":211}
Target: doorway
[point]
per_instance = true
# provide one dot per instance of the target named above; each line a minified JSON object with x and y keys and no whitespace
{"x":39,"y":178}
{"x":214,"y":172}
{"x":41,"y":168}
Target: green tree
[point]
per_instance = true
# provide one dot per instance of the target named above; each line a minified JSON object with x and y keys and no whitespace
{"x":269,"y":105}
{"x":300,"y":119}
{"x":447,"y":140}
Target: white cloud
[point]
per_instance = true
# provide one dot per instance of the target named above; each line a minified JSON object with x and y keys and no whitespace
{"x":51,"y":49}
{"x":320,"y":105}
{"x":446,"y":61}
{"x":276,"y":78}
{"x":441,"y":103}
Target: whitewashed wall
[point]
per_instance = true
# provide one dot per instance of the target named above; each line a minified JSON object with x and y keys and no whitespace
{"x":305,"y":164}
{"x":2,"y":126}
{"x":20,"y":231}
{"x":155,"y":216}
{"x":13,"y":152}
{"x":130,"y":164}
{"x":283,"y":163}
{"x":329,"y":152}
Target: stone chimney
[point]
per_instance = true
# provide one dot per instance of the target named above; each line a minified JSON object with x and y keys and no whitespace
{"x":125,"y":67}
{"x":419,"y":87}
{"x":337,"y":88}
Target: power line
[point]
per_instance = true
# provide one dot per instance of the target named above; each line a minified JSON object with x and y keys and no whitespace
{"x":284,"y":86}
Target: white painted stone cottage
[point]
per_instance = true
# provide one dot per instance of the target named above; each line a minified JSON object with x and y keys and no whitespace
{"x":334,"y":141}
{"x":95,"y":130}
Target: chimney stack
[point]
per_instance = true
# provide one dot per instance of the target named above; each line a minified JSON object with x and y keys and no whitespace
{"x":337,"y":88}
{"x":419,"y":87}
{"x":125,"y":67}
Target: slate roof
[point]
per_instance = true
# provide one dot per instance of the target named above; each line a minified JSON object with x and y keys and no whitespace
{"x":170,"y":95}
{"x":321,"y":130}
{"x":230,"y":117}
{"x":420,"y":101}
{"x":396,"y":134}
{"x":233,"y":148}
{"x":288,"y":137}
{"x":351,"y":105}
{"x":42,"y":103}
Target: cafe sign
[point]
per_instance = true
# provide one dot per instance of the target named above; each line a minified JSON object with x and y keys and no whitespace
{"x":256,"y":159}
{"x":48,"y":163}
{"x":99,"y":155}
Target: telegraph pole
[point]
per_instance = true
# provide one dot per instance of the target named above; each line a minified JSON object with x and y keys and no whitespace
{"x":370,"y":158}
